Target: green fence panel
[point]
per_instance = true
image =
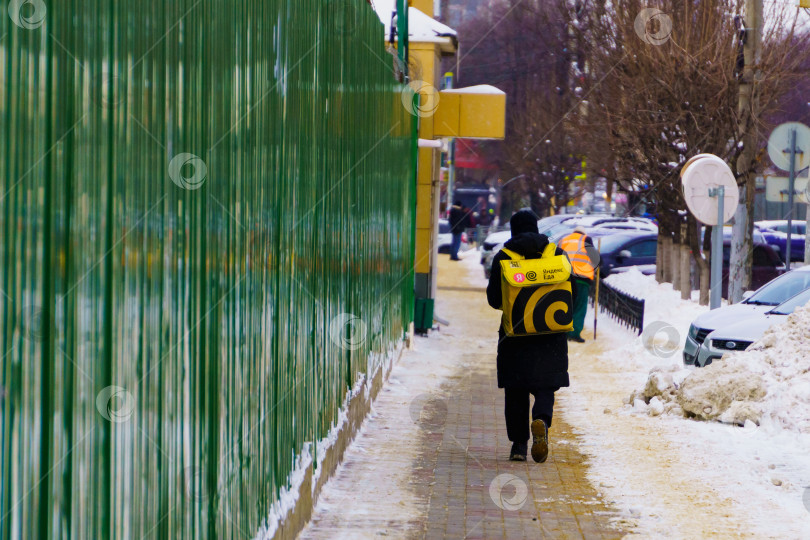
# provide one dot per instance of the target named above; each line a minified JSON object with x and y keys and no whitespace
{"x":206,"y":216}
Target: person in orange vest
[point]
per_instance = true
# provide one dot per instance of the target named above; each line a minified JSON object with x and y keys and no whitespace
{"x":579,"y":248}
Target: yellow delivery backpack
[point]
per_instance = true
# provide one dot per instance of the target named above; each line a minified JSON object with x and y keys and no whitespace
{"x":536,"y":294}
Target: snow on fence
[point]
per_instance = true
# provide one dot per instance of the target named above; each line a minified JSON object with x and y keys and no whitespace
{"x":621,"y":307}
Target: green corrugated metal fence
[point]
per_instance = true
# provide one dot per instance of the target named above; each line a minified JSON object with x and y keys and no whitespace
{"x":206,"y":227}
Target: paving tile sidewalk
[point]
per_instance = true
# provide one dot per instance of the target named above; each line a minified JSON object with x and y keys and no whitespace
{"x":476,"y":492}
{"x":443,"y":452}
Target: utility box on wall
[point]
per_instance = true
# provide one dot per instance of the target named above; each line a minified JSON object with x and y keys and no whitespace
{"x":476,"y":112}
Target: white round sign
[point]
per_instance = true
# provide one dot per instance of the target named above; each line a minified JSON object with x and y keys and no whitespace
{"x":692,"y":160}
{"x":779,"y":145}
{"x":699,"y":176}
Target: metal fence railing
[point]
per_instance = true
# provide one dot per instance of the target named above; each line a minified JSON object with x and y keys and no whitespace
{"x":206,"y":214}
{"x":478,"y":234}
{"x":620,"y":306}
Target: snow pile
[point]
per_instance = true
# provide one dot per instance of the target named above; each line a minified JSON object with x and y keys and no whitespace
{"x":666,"y":321}
{"x":636,"y":284}
{"x":767,"y":384}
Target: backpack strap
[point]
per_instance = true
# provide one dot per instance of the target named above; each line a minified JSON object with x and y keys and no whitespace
{"x":550,"y":250}
{"x":512,"y":254}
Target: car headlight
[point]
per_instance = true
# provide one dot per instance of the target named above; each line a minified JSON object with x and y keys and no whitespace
{"x":693,"y":331}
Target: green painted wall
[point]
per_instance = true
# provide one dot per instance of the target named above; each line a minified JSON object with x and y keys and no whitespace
{"x":205,"y":235}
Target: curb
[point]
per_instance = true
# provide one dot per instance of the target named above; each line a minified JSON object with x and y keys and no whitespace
{"x":357,"y":410}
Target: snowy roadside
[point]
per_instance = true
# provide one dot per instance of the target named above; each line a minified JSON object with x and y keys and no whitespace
{"x":670,"y":475}
{"x":372,"y":491}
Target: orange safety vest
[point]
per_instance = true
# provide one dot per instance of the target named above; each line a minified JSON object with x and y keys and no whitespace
{"x":574,"y":246}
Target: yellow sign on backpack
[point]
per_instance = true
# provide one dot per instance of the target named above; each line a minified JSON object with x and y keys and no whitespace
{"x":536,"y":294}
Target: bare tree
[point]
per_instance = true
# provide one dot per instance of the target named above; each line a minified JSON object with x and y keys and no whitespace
{"x":664,"y":83}
{"x":526,"y":51}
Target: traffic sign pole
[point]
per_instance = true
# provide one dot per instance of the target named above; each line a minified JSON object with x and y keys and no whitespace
{"x":791,"y":183}
{"x":798,"y":136}
{"x":717,"y":249}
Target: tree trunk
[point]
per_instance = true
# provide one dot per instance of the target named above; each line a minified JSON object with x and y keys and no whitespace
{"x":739,"y":278}
{"x":699,"y":256}
{"x":675,"y":264}
{"x":739,"y":270}
{"x":667,"y":259}
{"x":705,"y":278}
{"x":659,"y":260}
{"x":686,"y":272}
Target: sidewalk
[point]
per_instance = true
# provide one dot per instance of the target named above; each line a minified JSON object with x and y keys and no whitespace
{"x":432,"y":461}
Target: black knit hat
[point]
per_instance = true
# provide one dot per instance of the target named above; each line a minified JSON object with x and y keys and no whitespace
{"x":523,"y":221}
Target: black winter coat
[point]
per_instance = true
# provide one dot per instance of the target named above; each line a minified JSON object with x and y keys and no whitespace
{"x":459,"y":220}
{"x":530,"y":362}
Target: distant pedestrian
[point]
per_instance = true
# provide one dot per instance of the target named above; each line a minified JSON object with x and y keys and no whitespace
{"x":576,"y":246}
{"x":458,"y":222}
{"x":529,"y":364}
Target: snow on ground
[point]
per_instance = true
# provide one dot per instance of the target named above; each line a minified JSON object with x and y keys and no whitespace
{"x":671,"y":477}
{"x":473,"y":269}
{"x":666,"y":320}
{"x":679,"y":477}
{"x":767,"y":385}
{"x":369,"y":502}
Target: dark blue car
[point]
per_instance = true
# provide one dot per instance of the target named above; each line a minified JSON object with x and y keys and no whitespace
{"x":619,"y":250}
{"x":775,"y":234}
{"x":627,"y":249}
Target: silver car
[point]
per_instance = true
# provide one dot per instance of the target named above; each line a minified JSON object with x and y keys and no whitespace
{"x":739,"y":336}
{"x":767,"y":297}
{"x":491,"y":246}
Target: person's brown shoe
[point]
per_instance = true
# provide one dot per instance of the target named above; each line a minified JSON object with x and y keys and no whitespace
{"x":539,"y":441}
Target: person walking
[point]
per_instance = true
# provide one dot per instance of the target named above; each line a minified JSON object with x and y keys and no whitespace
{"x":576,"y":247}
{"x":534,"y":364}
{"x":458,"y":222}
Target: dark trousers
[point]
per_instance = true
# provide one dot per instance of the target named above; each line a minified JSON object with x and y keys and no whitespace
{"x":583,"y":289}
{"x":455,"y":245}
{"x":517,"y":410}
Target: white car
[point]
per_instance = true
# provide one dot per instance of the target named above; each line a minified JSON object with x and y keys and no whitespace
{"x":492,"y":241}
{"x":739,"y":336}
{"x":614,"y":222}
{"x":765,"y":299}
{"x":489,"y":257}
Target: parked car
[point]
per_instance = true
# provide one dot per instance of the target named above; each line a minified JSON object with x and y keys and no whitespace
{"x":780,"y":225}
{"x":621,"y":248}
{"x":490,"y":255}
{"x":627,"y":249}
{"x":739,"y":336}
{"x":596,"y":224}
{"x":756,"y":302}
{"x":593,"y":221}
{"x":775,"y":233}
{"x":758,"y":237}
{"x":491,"y":242}
{"x":546,"y":222}
{"x":766,"y":265}
{"x":603,"y":228}
{"x":445,"y":237}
